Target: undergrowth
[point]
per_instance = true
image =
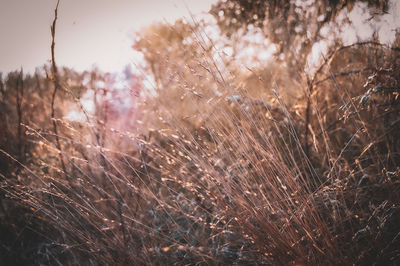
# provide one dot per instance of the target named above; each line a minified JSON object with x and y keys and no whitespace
{"x":214,"y":178}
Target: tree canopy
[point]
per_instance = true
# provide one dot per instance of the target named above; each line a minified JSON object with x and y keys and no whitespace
{"x":291,"y":25}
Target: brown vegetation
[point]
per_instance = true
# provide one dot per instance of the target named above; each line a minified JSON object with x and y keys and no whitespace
{"x":214,"y":165}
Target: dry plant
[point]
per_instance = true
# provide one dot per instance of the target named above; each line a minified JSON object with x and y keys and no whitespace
{"x":217,"y":176}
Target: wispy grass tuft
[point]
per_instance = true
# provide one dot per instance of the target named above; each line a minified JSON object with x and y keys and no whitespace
{"x":214,"y":174}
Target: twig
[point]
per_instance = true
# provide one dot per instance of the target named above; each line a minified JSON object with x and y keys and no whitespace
{"x":56,"y":87}
{"x":20,"y":95}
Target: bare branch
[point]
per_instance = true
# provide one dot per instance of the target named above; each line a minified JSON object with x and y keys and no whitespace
{"x":56,"y":87}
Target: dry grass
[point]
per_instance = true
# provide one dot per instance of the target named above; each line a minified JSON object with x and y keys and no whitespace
{"x":232,"y":180}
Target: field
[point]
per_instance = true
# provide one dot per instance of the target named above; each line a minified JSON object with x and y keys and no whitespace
{"x":215,"y":162}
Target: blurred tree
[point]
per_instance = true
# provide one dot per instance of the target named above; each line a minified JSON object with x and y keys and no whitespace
{"x":25,"y":108}
{"x":293,"y":26}
{"x":179,"y":58}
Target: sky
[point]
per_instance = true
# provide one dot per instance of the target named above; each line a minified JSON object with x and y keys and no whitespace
{"x":101,"y":32}
{"x":88,"y":32}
